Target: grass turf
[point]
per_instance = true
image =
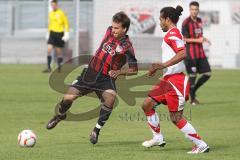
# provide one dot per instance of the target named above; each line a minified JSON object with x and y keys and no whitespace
{"x":27,"y":101}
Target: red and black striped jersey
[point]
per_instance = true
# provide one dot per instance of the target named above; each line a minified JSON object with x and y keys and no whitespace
{"x":113,"y":53}
{"x":193,"y":29}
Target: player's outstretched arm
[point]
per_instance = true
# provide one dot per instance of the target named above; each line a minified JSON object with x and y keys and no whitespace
{"x":197,"y":40}
{"x":159,"y":66}
{"x":177,"y":58}
{"x":126,"y":72}
{"x":129,"y":71}
{"x":194,"y":40}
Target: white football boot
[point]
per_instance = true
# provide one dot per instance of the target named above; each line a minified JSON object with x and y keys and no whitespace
{"x":154,"y":142}
{"x":196,"y":150}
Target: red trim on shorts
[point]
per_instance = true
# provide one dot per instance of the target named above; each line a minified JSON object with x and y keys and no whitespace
{"x":175,"y":74}
{"x":181,"y":123}
{"x":153,"y":98}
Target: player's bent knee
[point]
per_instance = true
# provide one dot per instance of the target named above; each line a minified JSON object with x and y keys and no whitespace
{"x":109,"y":97}
{"x":70,"y":97}
{"x":193,"y":75}
{"x":176,"y":117}
{"x":174,"y":121}
{"x":112,"y":92}
{"x":207,"y":74}
{"x":147,"y":104}
{"x":109,"y":102}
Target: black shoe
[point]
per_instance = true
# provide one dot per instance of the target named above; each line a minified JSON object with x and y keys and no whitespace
{"x":59,"y":69}
{"x":47,"y":70}
{"x":194,"y":102}
{"x":94,"y":137}
{"x":55,"y":120}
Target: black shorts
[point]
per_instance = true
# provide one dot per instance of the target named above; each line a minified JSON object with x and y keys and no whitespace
{"x":199,"y":65}
{"x":55,"y":39}
{"x":91,"y":81}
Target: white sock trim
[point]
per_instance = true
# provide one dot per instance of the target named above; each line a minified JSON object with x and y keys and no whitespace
{"x":98,"y":126}
{"x":158,"y":136}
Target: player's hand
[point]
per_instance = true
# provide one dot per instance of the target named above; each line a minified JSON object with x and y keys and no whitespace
{"x":151,"y":72}
{"x":154,"y":68}
{"x":47,"y":35}
{"x":159,"y":66}
{"x":203,"y":39}
{"x":200,"y":40}
{"x":66,"y":37}
{"x":207,"y":41}
{"x":114,"y":73}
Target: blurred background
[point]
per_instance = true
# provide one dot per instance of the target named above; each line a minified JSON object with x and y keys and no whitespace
{"x":24,"y":26}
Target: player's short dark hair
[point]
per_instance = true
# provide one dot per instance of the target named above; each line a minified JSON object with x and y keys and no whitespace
{"x":172,"y":13}
{"x":54,"y":1}
{"x":194,"y":3}
{"x":121,"y":17}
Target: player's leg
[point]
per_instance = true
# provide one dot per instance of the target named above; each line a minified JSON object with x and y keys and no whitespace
{"x":175,"y":101}
{"x":49,"y":58}
{"x":192,"y":80}
{"x":59,"y":52}
{"x":108,"y":98}
{"x":205,"y":70}
{"x":153,"y":123}
{"x":63,"y":107}
{"x":56,"y":40}
{"x":191,"y":68}
{"x":77,"y":89}
{"x":155,"y":97}
{"x":189,"y":131}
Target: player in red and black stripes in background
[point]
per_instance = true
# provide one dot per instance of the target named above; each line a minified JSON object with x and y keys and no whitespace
{"x":196,"y":61}
{"x":103,"y":69}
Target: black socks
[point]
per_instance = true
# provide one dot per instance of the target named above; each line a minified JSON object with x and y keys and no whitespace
{"x":105,"y":112}
{"x":49,"y":60}
{"x":201,"y":81}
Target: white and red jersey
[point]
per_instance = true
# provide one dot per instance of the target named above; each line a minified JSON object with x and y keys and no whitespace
{"x":172,"y":43}
{"x":173,"y":88}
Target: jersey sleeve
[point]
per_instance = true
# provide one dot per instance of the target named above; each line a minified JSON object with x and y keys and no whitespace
{"x":49,"y":22}
{"x":185,"y":30}
{"x":175,"y":41}
{"x":65,"y":21}
{"x":107,"y":33}
{"x":131,"y":59}
{"x":200,"y":21}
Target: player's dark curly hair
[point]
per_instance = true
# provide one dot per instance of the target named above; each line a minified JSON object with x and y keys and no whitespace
{"x":194,"y":3}
{"x":172,"y":13}
{"x":121,"y":17}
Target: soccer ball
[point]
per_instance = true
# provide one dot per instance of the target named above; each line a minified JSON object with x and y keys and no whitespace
{"x":27,"y":138}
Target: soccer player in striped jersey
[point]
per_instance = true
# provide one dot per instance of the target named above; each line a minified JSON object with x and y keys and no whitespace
{"x":196,"y":60}
{"x":103,"y":69}
{"x":57,"y":35}
{"x":172,"y":90}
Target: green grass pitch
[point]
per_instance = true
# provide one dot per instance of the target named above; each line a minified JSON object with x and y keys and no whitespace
{"x":27,"y":101}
